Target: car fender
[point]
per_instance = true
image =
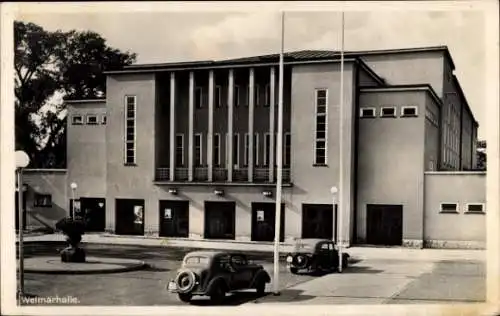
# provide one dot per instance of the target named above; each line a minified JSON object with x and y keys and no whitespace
{"x":216,"y":282}
{"x":260,"y":274}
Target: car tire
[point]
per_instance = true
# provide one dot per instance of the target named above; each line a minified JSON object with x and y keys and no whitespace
{"x":294,"y":270}
{"x":185,"y":297}
{"x":218,"y":294}
{"x":261,"y":287}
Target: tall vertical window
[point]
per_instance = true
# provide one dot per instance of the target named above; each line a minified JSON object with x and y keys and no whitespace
{"x":130,"y":129}
{"x":218,"y":96}
{"x":287,"y":150}
{"x":247,"y":146}
{"x":267,"y":95}
{"x":320,"y":150}
{"x":198,"y":152}
{"x":236,"y":149}
{"x":179,"y":150}
{"x":256,"y":95}
{"x":216,"y":150}
{"x":236,"y":95}
{"x":198,"y":97}
{"x":267,"y":148}
{"x":256,"y":149}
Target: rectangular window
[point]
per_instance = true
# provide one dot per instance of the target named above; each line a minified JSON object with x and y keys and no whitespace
{"x":103,"y":119}
{"x":256,"y":95}
{"x":409,"y":111}
{"x":320,"y":150}
{"x":130,"y":129}
{"x":198,"y":97}
{"x":236,"y":149}
{"x":246,"y":154}
{"x":287,"y":150}
{"x":267,"y":149}
{"x":256,"y":149}
{"x":43,"y":200}
{"x":236,"y":95}
{"x":92,"y":119}
{"x":218,"y":96}
{"x":475,"y":208}
{"x":198,"y":150}
{"x":367,"y":113}
{"x":216,"y":150}
{"x":179,"y":150}
{"x":77,"y":120}
{"x":449,"y":208}
{"x":268,"y":95}
{"x":388,"y":111}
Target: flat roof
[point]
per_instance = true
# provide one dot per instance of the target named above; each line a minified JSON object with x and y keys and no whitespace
{"x":402,"y":88}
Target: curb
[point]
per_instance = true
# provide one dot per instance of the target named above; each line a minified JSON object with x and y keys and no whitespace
{"x":139,"y":265}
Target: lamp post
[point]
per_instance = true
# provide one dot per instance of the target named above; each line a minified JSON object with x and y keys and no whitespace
{"x":73,"y":189}
{"x":334,"y":191}
{"x":22,"y":161}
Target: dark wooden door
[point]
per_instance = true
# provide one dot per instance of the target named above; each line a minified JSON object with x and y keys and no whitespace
{"x":318,"y":221}
{"x":129,"y":217}
{"x":220,"y":220}
{"x":384,"y":225}
{"x":23,"y":211}
{"x":264,"y":221}
{"x":174,"y":218}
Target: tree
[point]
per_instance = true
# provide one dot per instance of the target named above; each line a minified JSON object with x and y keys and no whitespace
{"x":481,"y":155}
{"x":47,"y":64}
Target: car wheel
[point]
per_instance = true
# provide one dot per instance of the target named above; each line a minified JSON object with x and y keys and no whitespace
{"x":294,"y":270}
{"x":218,"y":295}
{"x":185,"y":297}
{"x":261,"y":287}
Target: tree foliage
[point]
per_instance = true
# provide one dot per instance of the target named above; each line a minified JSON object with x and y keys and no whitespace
{"x":47,"y":64}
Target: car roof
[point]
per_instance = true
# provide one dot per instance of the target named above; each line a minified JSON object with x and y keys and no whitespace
{"x":204,"y":253}
{"x":312,"y":241}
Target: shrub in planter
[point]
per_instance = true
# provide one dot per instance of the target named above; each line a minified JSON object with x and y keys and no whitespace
{"x":73,"y":229}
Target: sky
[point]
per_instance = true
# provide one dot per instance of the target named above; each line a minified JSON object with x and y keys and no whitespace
{"x":162,"y":36}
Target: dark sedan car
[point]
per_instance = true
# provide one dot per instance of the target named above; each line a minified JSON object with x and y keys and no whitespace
{"x":315,"y":255}
{"x":215,"y":273}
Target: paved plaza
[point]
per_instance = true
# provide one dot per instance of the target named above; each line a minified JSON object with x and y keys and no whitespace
{"x":377,"y":275}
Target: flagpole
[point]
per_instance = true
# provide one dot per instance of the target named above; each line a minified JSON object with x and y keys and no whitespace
{"x":279,"y":176}
{"x":340,"y":238}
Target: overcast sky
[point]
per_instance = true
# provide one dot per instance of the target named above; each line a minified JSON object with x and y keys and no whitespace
{"x":180,"y":36}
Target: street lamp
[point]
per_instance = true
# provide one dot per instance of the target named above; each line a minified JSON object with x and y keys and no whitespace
{"x":22,"y":161}
{"x":73,"y":189}
{"x":334,"y":191}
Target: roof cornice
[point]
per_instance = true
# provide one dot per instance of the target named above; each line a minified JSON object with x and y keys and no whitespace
{"x":406,"y":88}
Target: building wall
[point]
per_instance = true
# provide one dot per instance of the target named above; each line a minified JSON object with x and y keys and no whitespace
{"x":390,"y":161}
{"x":134,"y":181}
{"x":409,"y":68}
{"x":86,"y":148}
{"x":312,"y":183}
{"x":459,"y":229}
{"x":365,"y":79}
{"x":46,"y":181}
{"x":466,"y":146}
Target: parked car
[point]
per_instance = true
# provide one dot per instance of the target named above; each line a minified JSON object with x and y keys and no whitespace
{"x":215,"y":273}
{"x":315,"y":255}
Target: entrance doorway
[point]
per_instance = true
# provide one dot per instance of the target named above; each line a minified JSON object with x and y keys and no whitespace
{"x":129,"y":217}
{"x":318,"y":221}
{"x":174,"y":218}
{"x":219,"y":220}
{"x":264,"y":220}
{"x":384,"y":225}
{"x":92,"y":211}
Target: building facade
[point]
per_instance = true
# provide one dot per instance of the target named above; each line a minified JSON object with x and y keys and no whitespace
{"x":187,"y":150}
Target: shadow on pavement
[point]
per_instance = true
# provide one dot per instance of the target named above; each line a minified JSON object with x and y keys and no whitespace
{"x":232,"y":299}
{"x":361,"y":270}
{"x":286,"y":295}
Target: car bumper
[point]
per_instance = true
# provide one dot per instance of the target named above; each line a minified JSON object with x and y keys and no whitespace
{"x":171,"y":287}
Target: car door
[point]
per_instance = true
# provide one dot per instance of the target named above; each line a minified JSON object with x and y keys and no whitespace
{"x":332,"y":255}
{"x":224,"y":269}
{"x":323,"y":255}
{"x":243,"y":274}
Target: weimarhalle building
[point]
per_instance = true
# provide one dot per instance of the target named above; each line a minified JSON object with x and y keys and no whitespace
{"x":187,"y":150}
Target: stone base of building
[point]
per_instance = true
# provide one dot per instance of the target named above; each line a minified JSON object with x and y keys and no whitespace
{"x":413,"y":243}
{"x":455,"y":244}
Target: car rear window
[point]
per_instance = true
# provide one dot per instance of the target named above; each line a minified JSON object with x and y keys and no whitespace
{"x":197,"y":260}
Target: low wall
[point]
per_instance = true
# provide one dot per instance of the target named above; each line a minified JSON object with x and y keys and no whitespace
{"x":45,"y":181}
{"x":460,"y":228}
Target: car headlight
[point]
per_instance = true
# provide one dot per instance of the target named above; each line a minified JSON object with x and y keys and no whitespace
{"x":289,"y":259}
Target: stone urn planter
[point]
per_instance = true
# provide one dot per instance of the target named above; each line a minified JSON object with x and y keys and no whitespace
{"x":73,"y":229}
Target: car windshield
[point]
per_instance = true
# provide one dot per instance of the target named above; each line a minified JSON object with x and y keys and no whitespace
{"x":197,"y":260}
{"x":304,"y":246}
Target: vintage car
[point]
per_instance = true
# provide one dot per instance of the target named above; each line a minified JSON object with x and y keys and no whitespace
{"x":315,"y":255}
{"x":215,"y":273}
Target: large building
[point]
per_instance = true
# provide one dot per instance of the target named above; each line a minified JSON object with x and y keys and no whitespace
{"x":187,"y":150}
